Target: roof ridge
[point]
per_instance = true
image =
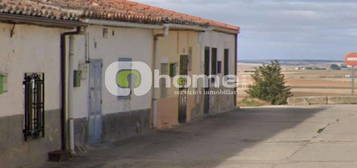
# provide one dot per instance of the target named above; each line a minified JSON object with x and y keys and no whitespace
{"x":117,"y":10}
{"x":208,"y":21}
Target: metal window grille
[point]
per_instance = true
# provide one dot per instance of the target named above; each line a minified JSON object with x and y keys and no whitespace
{"x":34,"y":125}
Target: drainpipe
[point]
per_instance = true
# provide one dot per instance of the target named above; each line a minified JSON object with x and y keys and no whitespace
{"x":153,"y":66}
{"x":65,"y":133}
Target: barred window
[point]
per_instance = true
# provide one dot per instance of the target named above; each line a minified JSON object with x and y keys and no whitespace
{"x":34,"y":124}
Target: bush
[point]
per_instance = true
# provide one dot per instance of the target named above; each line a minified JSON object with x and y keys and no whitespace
{"x":269,"y":84}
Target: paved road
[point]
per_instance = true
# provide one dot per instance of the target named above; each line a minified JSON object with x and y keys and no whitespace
{"x":278,"y":137}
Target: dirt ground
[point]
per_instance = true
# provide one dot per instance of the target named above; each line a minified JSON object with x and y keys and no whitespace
{"x":303,"y":82}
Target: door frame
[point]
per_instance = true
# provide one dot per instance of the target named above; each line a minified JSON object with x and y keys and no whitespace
{"x":95,"y":141}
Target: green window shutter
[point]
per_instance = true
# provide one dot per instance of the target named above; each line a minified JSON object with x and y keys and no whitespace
{"x":1,"y":84}
{"x":77,"y":76}
{"x":3,"y":81}
{"x":173,"y":68}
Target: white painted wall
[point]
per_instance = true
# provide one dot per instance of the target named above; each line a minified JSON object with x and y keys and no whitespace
{"x":123,"y":43}
{"x":31,"y":49}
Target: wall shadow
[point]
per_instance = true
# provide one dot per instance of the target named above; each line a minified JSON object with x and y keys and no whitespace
{"x":201,"y":144}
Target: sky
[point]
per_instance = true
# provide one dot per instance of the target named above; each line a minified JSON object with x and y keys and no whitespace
{"x":281,"y":29}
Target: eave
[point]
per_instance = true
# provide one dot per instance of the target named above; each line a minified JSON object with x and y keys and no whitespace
{"x":41,"y":21}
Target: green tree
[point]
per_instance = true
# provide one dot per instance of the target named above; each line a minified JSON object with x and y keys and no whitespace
{"x":269,"y":84}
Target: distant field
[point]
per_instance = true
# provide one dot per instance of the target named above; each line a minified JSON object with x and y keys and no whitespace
{"x":303,"y":82}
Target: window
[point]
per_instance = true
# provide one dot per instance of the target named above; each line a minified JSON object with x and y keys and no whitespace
{"x":3,"y":83}
{"x":207,"y":60}
{"x":173,"y":68}
{"x":105,"y":33}
{"x":77,"y":78}
{"x":214,"y":61}
{"x":226,"y":61}
{"x":34,"y":106}
{"x":184,"y":63}
{"x":219,"y":67}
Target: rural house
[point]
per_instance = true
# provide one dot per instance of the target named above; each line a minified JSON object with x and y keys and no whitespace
{"x":192,"y":50}
{"x":52,"y":74}
{"x":30,"y":81}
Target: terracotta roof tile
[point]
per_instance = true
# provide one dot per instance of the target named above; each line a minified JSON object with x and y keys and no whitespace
{"x":120,"y":10}
{"x":31,"y":8}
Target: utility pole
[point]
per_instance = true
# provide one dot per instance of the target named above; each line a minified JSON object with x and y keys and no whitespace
{"x":353,"y":80}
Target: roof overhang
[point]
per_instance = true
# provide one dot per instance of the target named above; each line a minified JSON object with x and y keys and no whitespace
{"x":174,"y":27}
{"x":225,"y":30}
{"x":145,"y":26}
{"x":121,"y":24}
{"x":201,"y":28}
{"x":42,"y":21}
{"x":187,"y":27}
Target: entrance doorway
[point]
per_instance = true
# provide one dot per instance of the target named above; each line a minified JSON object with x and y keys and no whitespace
{"x":95,"y":102}
{"x":184,"y":61}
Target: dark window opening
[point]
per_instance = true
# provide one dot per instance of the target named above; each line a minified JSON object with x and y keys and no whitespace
{"x":184,"y":62}
{"x":105,"y":33}
{"x":226,"y":61}
{"x":214,"y":61}
{"x":219,"y":67}
{"x":173,"y":71}
{"x":207,"y":60}
{"x":77,"y":75}
{"x":34,"y":87}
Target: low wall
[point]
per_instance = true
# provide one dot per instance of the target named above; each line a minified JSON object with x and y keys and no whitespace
{"x":16,"y":153}
{"x":117,"y":126}
{"x":322,"y":100}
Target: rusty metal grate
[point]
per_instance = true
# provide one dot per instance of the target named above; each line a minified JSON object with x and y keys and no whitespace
{"x":34,"y":124}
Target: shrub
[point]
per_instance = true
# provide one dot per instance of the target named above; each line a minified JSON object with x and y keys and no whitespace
{"x":269,"y":84}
